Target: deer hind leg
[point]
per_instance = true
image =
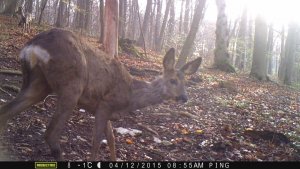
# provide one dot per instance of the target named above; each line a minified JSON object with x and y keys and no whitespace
{"x":65,"y":104}
{"x":111,"y":141}
{"x":36,"y":91}
{"x":101,"y":123}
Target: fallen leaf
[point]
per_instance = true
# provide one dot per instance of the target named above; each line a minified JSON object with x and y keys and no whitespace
{"x":129,"y":141}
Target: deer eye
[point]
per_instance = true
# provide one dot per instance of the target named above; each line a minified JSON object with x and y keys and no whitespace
{"x":173,"y":82}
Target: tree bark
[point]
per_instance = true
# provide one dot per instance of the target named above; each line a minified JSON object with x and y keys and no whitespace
{"x":189,"y":42}
{"x":259,"y":63}
{"x":101,"y":21}
{"x":132,"y":30}
{"x":171,"y":26}
{"x":181,"y":17}
{"x":282,"y":58}
{"x":10,"y":7}
{"x":186,"y":17}
{"x":145,"y":29}
{"x":157,"y":23}
{"x":59,"y":19}
{"x":221,"y":58}
{"x":122,"y":17}
{"x":87,"y":15}
{"x":241,"y":46}
{"x":43,"y":5}
{"x":159,"y":44}
{"x":290,"y":51}
{"x":152,"y":26}
{"x":270,"y":50}
{"x":28,"y":6}
{"x":111,"y":27}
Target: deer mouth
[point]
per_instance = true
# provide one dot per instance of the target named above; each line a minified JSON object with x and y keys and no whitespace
{"x":182,"y":98}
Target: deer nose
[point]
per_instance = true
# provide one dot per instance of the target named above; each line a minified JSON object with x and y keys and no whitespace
{"x":182,"y":98}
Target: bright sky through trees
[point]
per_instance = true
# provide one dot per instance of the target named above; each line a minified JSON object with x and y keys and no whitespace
{"x":276,"y":11}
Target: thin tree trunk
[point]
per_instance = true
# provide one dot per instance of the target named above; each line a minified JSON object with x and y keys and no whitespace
{"x":189,"y":42}
{"x":87,"y":15}
{"x":259,"y":63}
{"x":111,"y":28}
{"x":241,"y":51}
{"x":159,"y":44}
{"x":181,"y":17}
{"x":101,"y":21}
{"x":282,"y":64}
{"x":290,"y":51}
{"x":270,"y":50}
{"x":29,"y":6}
{"x":157,"y":23}
{"x":44,"y":2}
{"x":171,"y":25}
{"x":60,"y":14}
{"x":122,"y":17}
{"x":186,"y":16}
{"x":152,"y":26}
{"x":10,"y":7}
{"x":145,"y":29}
{"x":221,"y":58}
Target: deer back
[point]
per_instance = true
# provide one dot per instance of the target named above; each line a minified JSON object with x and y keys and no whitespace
{"x":65,"y":58}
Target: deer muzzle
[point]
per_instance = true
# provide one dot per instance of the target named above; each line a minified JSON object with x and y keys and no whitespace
{"x":182,"y":98}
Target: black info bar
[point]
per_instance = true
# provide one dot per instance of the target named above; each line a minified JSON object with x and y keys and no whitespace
{"x":146,"y":165}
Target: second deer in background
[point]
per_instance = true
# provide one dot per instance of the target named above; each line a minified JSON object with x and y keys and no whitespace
{"x":25,"y":20}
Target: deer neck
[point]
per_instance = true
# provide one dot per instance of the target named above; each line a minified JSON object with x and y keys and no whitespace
{"x":146,"y":93}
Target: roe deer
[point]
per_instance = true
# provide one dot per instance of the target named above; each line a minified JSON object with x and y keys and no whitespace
{"x":25,"y":20}
{"x":58,"y":61}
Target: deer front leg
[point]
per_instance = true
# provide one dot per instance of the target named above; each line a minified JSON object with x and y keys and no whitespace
{"x":65,"y":106}
{"x":111,"y":141}
{"x":101,"y":120}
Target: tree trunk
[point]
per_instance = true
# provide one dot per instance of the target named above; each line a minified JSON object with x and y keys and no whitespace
{"x":111,"y":27}
{"x":87,"y":15}
{"x":171,"y":25}
{"x":290,"y":52}
{"x":79,"y":15}
{"x":122,"y":17}
{"x":270,"y":50}
{"x":241,"y":46}
{"x":152,"y":26}
{"x":132,"y":30}
{"x":186,"y":16}
{"x":159,"y":44}
{"x":37,"y":9}
{"x":157,"y":23}
{"x":282,"y":64}
{"x":101,"y":21}
{"x":145,"y":29}
{"x":10,"y":7}
{"x":68,"y":13}
{"x":221,"y":58}
{"x":59,"y":19}
{"x":28,"y":6}
{"x":43,"y":5}
{"x":181,"y":17}
{"x":189,"y":42}
{"x":259,"y":63}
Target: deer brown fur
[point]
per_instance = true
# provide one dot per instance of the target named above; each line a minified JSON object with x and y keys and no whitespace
{"x":57,"y":61}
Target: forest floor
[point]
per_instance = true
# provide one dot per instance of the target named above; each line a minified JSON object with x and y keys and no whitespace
{"x":229,"y":117}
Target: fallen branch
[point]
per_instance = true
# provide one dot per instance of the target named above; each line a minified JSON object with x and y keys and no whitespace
{"x":6,"y":92}
{"x":187,"y":114}
{"x":10,"y":72}
{"x":12,"y":88}
{"x":147,"y":128}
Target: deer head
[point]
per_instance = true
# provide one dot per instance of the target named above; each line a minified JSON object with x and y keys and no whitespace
{"x":173,"y":79}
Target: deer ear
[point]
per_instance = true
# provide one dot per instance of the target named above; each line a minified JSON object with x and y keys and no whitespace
{"x":169,"y":60}
{"x":191,"y":67}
